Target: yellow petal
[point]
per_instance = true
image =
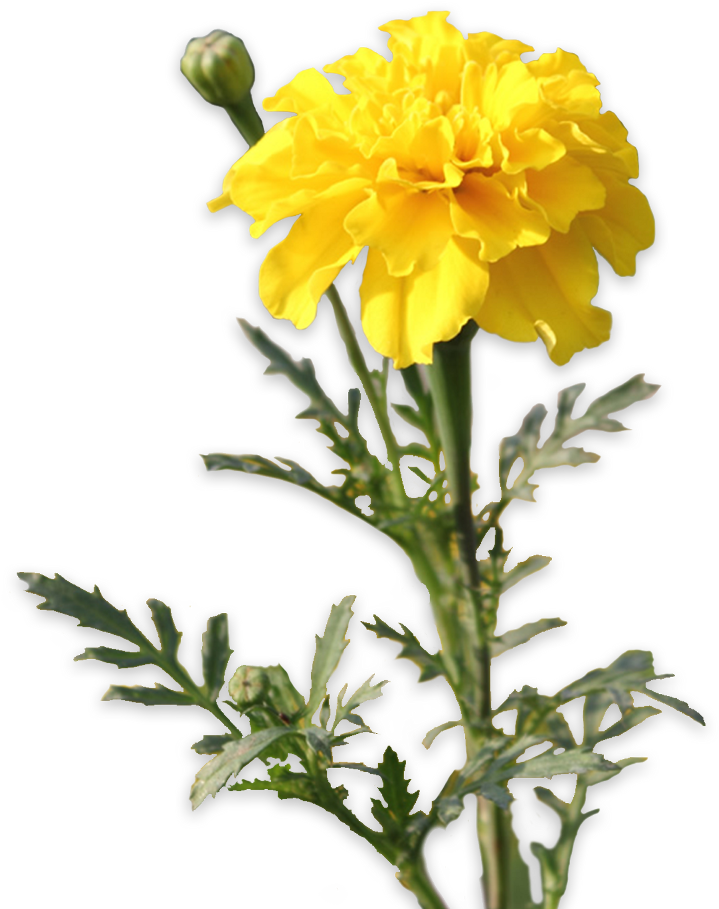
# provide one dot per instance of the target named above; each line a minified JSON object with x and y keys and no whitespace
{"x":273,"y":179}
{"x":566,"y":84}
{"x":404,"y":317}
{"x":449,"y":156}
{"x":484,"y":209}
{"x":410,"y":228}
{"x":271,"y":156}
{"x":623,"y":227}
{"x":308,"y":91}
{"x":422,"y":37}
{"x":533,"y":147}
{"x":299,"y":270}
{"x":564,"y":189}
{"x":552,"y":284}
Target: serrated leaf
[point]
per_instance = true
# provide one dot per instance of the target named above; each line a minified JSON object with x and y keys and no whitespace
{"x":328,"y":650}
{"x":93,"y":611}
{"x":354,"y":766}
{"x":150,"y":697}
{"x":301,"y":373}
{"x":410,"y":415}
{"x":285,"y":782}
{"x":496,"y":763}
{"x":523,"y":570}
{"x":212,"y":744}
{"x":366,"y":692}
{"x":364,"y":475}
{"x":576,"y":760}
{"x":614,"y":684}
{"x":430,"y":664}
{"x":553,"y":453}
{"x":599,"y":776}
{"x":620,"y":398}
{"x":601,"y":688}
{"x":596,"y":705}
{"x":233,"y":757}
{"x":395,"y":815}
{"x":90,"y":609}
{"x":216,"y":654}
{"x":524,"y":633}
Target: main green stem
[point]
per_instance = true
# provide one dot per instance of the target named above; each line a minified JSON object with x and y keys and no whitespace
{"x":450,"y":384}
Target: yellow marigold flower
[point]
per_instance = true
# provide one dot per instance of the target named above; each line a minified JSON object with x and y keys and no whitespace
{"x":481,"y":184}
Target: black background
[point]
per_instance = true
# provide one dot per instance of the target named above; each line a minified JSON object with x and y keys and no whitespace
{"x":130,"y":362}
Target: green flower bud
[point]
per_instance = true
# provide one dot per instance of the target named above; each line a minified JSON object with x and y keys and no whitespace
{"x":248,"y":686}
{"x":219,"y":67}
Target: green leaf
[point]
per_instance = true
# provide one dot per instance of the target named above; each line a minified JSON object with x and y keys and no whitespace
{"x":328,"y":651}
{"x":521,"y":635}
{"x":216,"y":654}
{"x":150,"y":697}
{"x":614,"y":684}
{"x":430,"y":664}
{"x":367,"y":478}
{"x":601,"y":688}
{"x":364,"y":475}
{"x":301,"y":374}
{"x":212,"y":744}
{"x":437,"y":730}
{"x":286,"y":783}
{"x":576,"y":760}
{"x":233,"y":757}
{"x":366,"y":692}
{"x":352,"y":766}
{"x":524,"y":445}
{"x":325,"y":712}
{"x":497,"y":762}
{"x":396,"y":814}
{"x":599,"y":776}
{"x":553,"y":453}
{"x":93,"y":611}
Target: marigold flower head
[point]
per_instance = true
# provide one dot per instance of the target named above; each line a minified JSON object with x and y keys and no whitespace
{"x":481,"y":184}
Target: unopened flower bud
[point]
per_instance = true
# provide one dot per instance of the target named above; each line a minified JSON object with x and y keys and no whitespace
{"x":247,"y":686}
{"x":219,"y":67}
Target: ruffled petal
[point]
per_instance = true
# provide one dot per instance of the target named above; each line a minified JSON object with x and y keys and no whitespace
{"x":410,"y":228}
{"x":308,"y":91}
{"x":299,"y":270}
{"x":455,"y":162}
{"x":623,"y":227}
{"x":486,"y":210}
{"x":564,"y":189}
{"x":545,"y":291}
{"x":404,"y":317}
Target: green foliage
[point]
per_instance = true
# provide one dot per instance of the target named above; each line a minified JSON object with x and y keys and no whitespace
{"x":93,"y":611}
{"x":395,"y":815}
{"x":538,"y":714}
{"x":277,"y":711}
{"x":430,"y":667}
{"x":365,"y":475}
{"x":524,"y":445}
{"x":282,"y":722}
